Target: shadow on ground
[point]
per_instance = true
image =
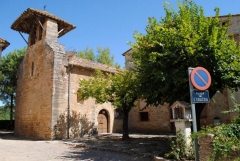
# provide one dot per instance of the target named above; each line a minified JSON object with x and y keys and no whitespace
{"x":101,"y":155}
{"x":9,"y":135}
{"x":104,"y":146}
{"x":138,"y":145}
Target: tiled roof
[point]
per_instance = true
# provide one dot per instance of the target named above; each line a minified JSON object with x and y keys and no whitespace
{"x":29,"y":18}
{"x":76,"y":61}
{"x":181,"y":104}
{"x":4,"y":42}
{"x":230,"y":14}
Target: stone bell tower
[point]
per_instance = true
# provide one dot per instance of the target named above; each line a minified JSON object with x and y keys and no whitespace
{"x":42,"y":89}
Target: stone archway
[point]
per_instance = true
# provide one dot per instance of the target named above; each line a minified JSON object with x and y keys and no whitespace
{"x":103,"y":122}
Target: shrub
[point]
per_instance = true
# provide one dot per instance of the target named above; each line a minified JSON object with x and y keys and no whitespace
{"x":179,"y":148}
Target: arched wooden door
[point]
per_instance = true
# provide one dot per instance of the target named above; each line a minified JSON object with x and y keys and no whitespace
{"x":102,"y":122}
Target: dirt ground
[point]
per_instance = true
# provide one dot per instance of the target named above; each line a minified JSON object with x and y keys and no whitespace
{"x":107,"y":147}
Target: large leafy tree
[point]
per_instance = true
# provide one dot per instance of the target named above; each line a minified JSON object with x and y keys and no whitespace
{"x":8,"y":78}
{"x":182,"y":39}
{"x":120,"y":89}
{"x":103,"y":56}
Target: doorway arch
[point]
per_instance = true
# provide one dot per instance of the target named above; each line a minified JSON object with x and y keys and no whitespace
{"x":103,"y":122}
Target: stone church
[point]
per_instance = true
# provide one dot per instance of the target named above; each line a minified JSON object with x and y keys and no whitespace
{"x":47,"y":106}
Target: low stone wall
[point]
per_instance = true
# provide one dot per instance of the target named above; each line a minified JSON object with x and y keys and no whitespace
{"x":206,"y":148}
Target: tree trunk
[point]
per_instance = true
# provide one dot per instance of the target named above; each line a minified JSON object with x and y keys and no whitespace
{"x":198,"y":109}
{"x":11,"y":112}
{"x":125,"y":123}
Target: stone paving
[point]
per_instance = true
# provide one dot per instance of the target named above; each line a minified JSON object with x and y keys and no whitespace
{"x":95,"y":148}
{"x":141,"y":145}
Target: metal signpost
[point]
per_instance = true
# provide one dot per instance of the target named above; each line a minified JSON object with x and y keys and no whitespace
{"x":199,"y":82}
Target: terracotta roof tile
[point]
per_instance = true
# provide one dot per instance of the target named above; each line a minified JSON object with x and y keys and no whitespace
{"x":4,"y":42}
{"x":76,"y":61}
{"x":233,"y":15}
{"x":28,"y":19}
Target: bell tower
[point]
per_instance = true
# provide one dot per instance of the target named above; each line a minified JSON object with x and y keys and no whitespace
{"x":42,"y":86}
{"x":40,"y":25}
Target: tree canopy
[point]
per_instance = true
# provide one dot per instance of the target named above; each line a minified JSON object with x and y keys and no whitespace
{"x":119,"y":88}
{"x":8,"y":77}
{"x":103,"y":56}
{"x":182,"y":39}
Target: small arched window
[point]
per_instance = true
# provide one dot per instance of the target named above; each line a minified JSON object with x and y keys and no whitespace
{"x":79,"y":98}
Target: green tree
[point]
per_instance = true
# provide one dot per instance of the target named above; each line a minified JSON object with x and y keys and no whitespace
{"x":103,"y":56}
{"x":4,"y":113}
{"x":8,"y":78}
{"x":182,"y":39}
{"x":88,"y":54}
{"x":120,"y":89}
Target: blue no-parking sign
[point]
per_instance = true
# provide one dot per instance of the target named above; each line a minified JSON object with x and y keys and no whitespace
{"x":200,"y":78}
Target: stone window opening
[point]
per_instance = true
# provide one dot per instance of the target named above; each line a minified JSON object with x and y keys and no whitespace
{"x":32,"y":69}
{"x":40,"y":30}
{"x":79,"y":99}
{"x":32,"y":37}
{"x":144,"y":116}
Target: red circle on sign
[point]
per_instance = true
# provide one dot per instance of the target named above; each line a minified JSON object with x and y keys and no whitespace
{"x":195,"y":72}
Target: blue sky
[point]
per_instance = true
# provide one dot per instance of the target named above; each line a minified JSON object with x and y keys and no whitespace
{"x":106,"y":23}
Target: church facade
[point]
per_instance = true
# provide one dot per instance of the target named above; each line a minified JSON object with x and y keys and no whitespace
{"x":47,"y":106}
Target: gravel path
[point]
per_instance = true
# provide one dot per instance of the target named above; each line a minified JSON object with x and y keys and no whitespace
{"x":17,"y":149}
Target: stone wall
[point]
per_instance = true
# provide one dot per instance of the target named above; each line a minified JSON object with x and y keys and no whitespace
{"x":33,"y":111}
{"x":233,"y":25}
{"x":158,"y":120}
{"x":220,"y":102}
{"x":60,"y":82}
{"x":42,"y":90}
{"x":159,"y":117}
{"x":206,"y":149}
{"x":87,"y":108}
